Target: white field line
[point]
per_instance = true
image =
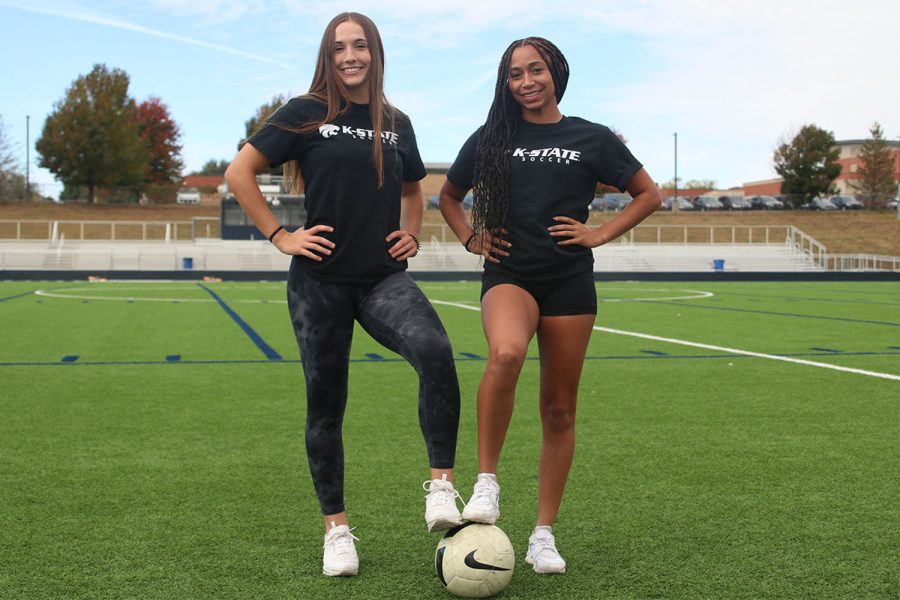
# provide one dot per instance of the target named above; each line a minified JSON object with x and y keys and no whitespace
{"x":799,"y":361}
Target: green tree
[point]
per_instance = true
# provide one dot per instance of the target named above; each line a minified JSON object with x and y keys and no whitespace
{"x":212,"y":167}
{"x":92,"y":137}
{"x":690,"y":184}
{"x":8,"y":168}
{"x":254,"y":123}
{"x":876,"y":173}
{"x":259,"y":119}
{"x":808,"y":164}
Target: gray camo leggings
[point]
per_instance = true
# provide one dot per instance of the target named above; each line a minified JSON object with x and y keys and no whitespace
{"x":395,"y":312}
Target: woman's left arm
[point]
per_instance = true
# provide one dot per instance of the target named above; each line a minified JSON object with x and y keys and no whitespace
{"x":645,"y":201}
{"x":412,"y":210}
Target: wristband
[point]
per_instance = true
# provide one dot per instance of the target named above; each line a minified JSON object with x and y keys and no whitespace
{"x":469,"y":241}
{"x":418,"y":243}
{"x":272,"y":236}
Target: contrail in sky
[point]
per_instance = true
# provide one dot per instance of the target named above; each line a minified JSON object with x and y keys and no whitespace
{"x":146,"y":31}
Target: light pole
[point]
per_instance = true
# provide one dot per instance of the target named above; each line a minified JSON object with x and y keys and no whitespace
{"x":27,"y":158}
{"x":675,"y":197}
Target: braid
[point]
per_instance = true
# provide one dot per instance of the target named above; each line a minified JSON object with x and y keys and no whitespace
{"x":491,"y":189}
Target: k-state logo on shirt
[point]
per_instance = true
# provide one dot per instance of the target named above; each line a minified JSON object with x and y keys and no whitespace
{"x":328,"y":131}
{"x":554,"y":155}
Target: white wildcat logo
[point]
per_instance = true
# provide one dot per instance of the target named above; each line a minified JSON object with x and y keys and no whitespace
{"x":329,"y":130}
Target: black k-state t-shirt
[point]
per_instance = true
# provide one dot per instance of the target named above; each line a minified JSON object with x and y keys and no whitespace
{"x":341,"y":184}
{"x":553,"y":171}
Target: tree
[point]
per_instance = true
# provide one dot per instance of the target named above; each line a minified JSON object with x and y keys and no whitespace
{"x":92,"y":137}
{"x":161,"y":136}
{"x":9,"y":171}
{"x":265,"y":111}
{"x":808,"y":164}
{"x":691,"y":184}
{"x":876,"y":173}
{"x":213,"y":167}
{"x":256,"y":122}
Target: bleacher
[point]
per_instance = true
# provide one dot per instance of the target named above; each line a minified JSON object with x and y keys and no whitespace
{"x":260,"y":256}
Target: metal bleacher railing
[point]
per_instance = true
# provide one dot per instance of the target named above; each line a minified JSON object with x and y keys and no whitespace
{"x":119,"y":245}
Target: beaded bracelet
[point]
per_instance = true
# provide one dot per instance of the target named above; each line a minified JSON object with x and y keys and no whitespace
{"x":418,"y":243}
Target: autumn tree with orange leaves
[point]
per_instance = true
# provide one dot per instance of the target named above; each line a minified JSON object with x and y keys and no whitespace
{"x":162,"y":137}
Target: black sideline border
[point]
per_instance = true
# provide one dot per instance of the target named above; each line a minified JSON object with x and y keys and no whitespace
{"x":205,"y":275}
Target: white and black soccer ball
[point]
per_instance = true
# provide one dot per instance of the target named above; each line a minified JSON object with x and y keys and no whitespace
{"x":474,"y":560}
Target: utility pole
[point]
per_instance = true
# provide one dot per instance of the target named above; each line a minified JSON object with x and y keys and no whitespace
{"x":675,"y":197}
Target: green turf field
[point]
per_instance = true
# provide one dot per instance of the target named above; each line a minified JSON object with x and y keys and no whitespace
{"x":151,"y":446}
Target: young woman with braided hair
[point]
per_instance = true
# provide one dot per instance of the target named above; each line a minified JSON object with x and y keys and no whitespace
{"x":533,"y":173}
{"x":361,"y":168}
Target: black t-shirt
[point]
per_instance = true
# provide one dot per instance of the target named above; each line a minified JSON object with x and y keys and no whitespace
{"x":340,"y":183}
{"x":553,"y":171}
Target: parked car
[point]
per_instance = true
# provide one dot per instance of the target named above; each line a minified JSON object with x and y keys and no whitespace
{"x":820,"y":204}
{"x":683,"y":204}
{"x":188,"y":195}
{"x":893,"y":203}
{"x":616,"y":201}
{"x":707,"y":203}
{"x":766,"y":203}
{"x":734,"y":203}
{"x":846,"y":202}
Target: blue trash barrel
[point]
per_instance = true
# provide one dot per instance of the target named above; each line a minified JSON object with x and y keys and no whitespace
{"x":187,"y":262}
{"x":718,"y":264}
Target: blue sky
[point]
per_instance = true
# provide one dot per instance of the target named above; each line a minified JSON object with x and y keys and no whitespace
{"x":732,"y":78}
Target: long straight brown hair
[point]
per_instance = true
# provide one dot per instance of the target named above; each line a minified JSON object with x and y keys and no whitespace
{"x":328,"y":87}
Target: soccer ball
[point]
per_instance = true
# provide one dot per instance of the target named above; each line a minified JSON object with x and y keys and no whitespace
{"x":474,"y":560}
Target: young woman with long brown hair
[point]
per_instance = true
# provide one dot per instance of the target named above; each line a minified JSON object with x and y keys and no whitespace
{"x":361,"y":169}
{"x":533,"y":173}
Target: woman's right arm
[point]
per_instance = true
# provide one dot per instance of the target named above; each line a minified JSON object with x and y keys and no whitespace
{"x":241,"y":178}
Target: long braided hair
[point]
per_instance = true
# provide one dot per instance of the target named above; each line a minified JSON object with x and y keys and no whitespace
{"x":491,"y":189}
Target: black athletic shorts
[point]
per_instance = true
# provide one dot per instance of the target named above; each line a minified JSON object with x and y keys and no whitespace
{"x":575,"y":295}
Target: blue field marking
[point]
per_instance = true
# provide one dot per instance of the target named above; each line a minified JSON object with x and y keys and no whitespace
{"x":470,"y":355}
{"x":173,"y":358}
{"x":894,"y":347}
{"x":374,"y":356}
{"x":17,"y":296}
{"x":74,"y":360}
{"x":270,"y":352}
{"x":774,"y":313}
{"x":655,"y":352}
{"x":831,"y":350}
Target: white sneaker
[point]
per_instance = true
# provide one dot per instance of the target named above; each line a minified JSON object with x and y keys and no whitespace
{"x":440,"y":505}
{"x":542,"y":552}
{"x":484,"y":505}
{"x":340,"y":552}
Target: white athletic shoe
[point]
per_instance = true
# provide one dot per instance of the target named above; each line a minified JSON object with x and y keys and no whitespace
{"x":484,"y":505}
{"x":340,"y":557}
{"x":542,"y":552}
{"x":440,"y":505}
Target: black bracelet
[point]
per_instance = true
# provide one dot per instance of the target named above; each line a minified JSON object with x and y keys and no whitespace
{"x":418,"y":243}
{"x":469,"y":241}
{"x":280,"y":227}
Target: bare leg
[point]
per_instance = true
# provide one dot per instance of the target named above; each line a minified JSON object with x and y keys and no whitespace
{"x":510,"y":318}
{"x":563,"y":343}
